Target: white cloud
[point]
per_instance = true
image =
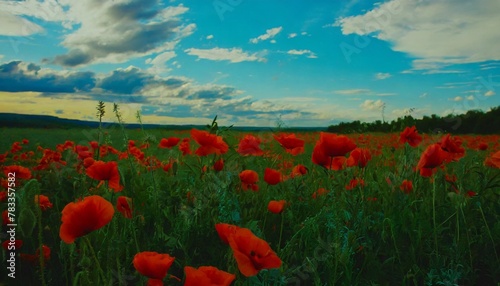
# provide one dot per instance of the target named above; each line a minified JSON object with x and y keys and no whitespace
{"x":440,"y":71}
{"x":382,"y":75}
{"x":292,"y":35}
{"x":172,"y":12}
{"x":304,"y":33}
{"x":159,"y":62}
{"x":111,"y":31}
{"x":489,"y":66}
{"x":470,"y":97}
{"x":489,"y":93}
{"x":12,"y":25}
{"x":302,"y":52}
{"x":372,"y":104}
{"x":437,"y":33}
{"x":457,"y":98}
{"x":353,"y":91}
{"x":234,"y":55}
{"x":48,"y":10}
{"x":209,"y":37}
{"x":423,"y":95}
{"x":270,"y":33}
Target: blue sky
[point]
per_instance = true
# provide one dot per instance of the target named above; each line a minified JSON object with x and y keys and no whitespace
{"x":252,"y":63}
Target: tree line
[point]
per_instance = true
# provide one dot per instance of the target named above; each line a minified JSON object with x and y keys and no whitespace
{"x":472,"y":122}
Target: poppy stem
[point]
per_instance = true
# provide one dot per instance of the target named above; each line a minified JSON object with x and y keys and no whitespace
{"x":489,"y":232}
{"x":264,"y":224}
{"x":281,"y":231}
{"x":41,"y":254}
{"x":434,"y":217}
{"x":101,"y":272}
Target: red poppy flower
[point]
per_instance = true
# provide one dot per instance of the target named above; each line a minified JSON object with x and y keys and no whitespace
{"x":334,"y":145}
{"x":136,"y":152}
{"x":94,"y":144}
{"x":35,"y":258}
{"x":272,"y":177}
{"x":470,"y":194}
{"x":124,"y":206}
{"x":276,"y":207}
{"x":153,"y":265}
{"x":87,"y":162}
{"x":299,"y":170}
{"x":359,"y":157}
{"x":410,"y":135}
{"x":219,"y":165}
{"x":12,"y":245}
{"x":106,"y":171}
{"x":354,"y":183}
{"x":43,"y":202}
{"x":3,"y":195}
{"x":184,"y":147}
{"x":482,"y":146}
{"x":83,"y":152}
{"x":319,"y":157}
{"x":249,"y":179}
{"x":249,"y":145}
{"x":207,"y":276}
{"x":453,"y":147}
{"x":225,"y":230}
{"x":406,"y":186}
{"x":46,"y":252}
{"x":20,"y":171}
{"x":431,"y":158}
{"x":319,"y":192}
{"x":85,"y":216}
{"x":330,"y":150}
{"x":292,"y":144}
{"x":252,"y":253}
{"x":5,"y":218}
{"x":450,"y":178}
{"x":2,"y":157}
{"x":168,"y":142}
{"x":493,"y":160}
{"x":16,"y":147}
{"x":209,"y":143}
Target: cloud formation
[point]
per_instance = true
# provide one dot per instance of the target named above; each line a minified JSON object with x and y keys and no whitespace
{"x":309,"y":54}
{"x":353,"y":91}
{"x":157,"y":96}
{"x":116,"y":31}
{"x":372,"y":104}
{"x":17,"y":76}
{"x":437,"y":33}
{"x":270,"y":33}
{"x":381,"y":75}
{"x":233,"y":55}
{"x":12,"y":25}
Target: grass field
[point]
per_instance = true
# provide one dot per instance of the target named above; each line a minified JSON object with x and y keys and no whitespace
{"x":133,"y":208}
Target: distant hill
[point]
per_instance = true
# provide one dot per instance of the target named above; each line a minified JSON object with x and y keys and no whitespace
{"x":14,"y":120}
{"x":48,"y":121}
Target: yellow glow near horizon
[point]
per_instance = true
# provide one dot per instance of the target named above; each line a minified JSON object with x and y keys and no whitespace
{"x":73,"y":107}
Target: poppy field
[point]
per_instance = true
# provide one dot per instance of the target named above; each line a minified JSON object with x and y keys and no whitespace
{"x":216,"y":206}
